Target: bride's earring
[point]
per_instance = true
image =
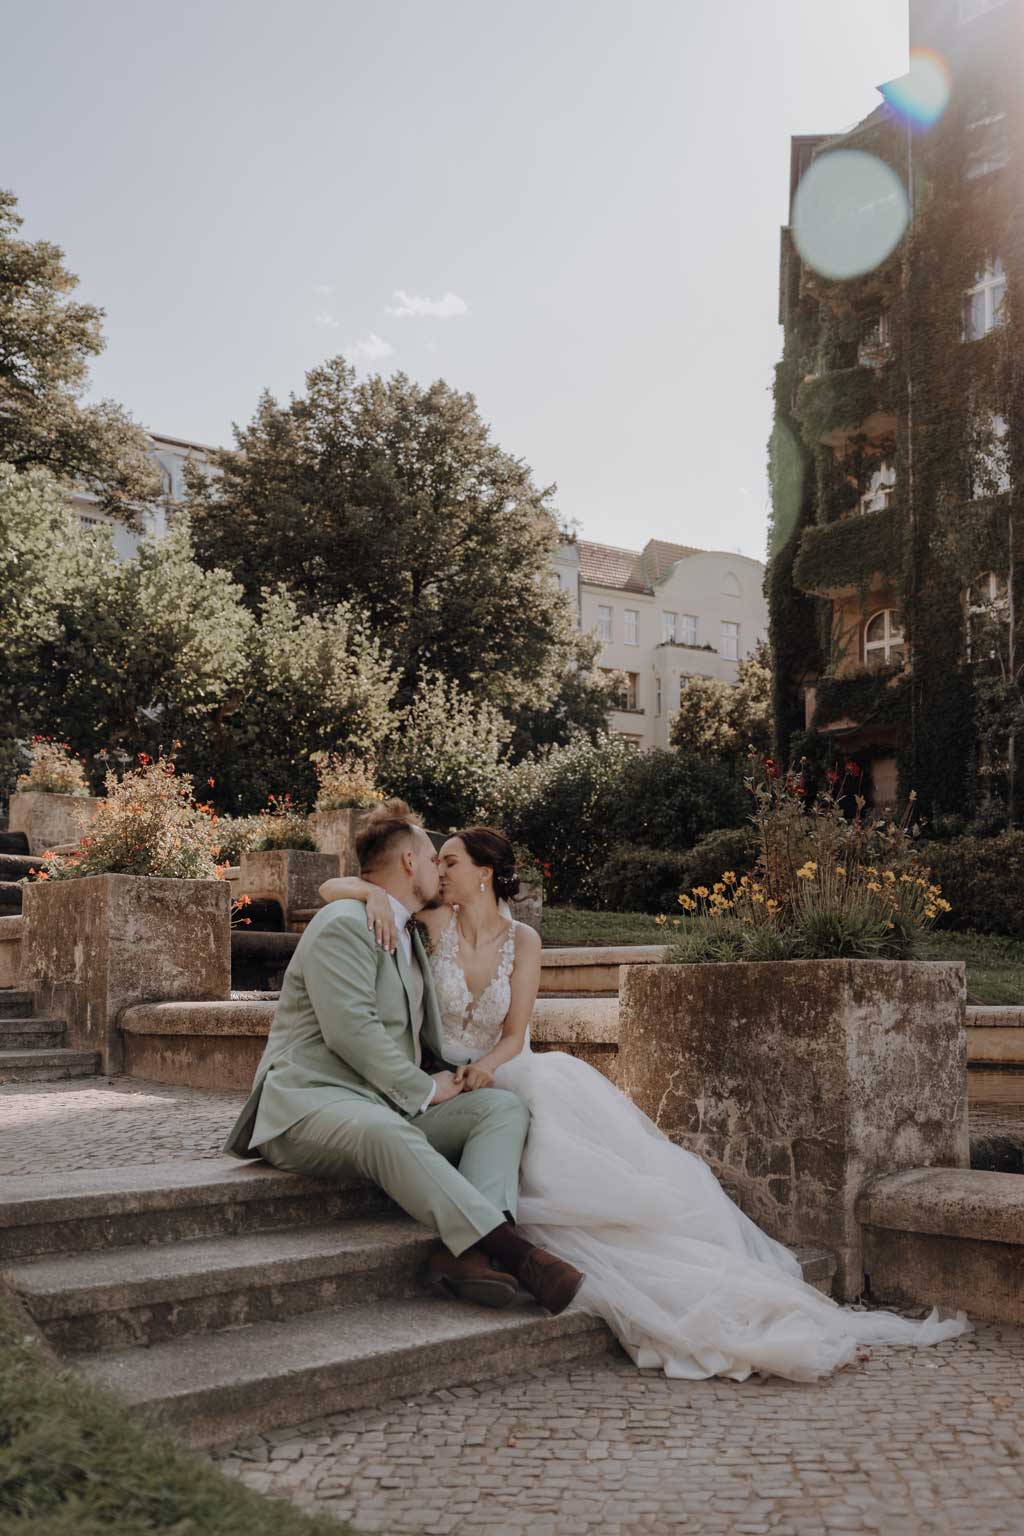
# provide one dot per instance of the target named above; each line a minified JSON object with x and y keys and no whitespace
{"x":483,"y":885}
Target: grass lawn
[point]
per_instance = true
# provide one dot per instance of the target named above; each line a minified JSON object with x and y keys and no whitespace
{"x":75,"y":1463}
{"x":995,"y":966}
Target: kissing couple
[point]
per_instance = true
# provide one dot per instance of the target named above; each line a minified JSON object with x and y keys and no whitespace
{"x":408,"y":1063}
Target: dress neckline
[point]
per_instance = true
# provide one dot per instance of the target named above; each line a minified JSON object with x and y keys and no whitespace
{"x":503,"y":970}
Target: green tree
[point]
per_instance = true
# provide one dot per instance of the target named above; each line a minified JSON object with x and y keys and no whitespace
{"x":46,"y":342}
{"x":394,"y":497}
{"x":723,"y":719}
{"x":445,"y":753}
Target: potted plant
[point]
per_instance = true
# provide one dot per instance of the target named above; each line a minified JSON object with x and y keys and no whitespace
{"x":282,"y":864}
{"x":137,"y":912}
{"x":346,"y":792}
{"x":792,"y":1040}
{"x":52,"y":804}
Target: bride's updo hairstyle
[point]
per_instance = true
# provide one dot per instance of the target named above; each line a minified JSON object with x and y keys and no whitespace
{"x":492,"y":850}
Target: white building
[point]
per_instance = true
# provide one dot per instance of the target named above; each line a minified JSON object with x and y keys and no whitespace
{"x":664,"y":614}
{"x":170,"y":454}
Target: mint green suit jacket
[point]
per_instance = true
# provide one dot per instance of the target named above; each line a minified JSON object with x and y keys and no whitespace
{"x":342,"y":1030}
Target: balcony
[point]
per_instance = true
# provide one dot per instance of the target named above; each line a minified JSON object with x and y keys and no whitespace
{"x":845,"y":402}
{"x":845,"y":554}
{"x":870,"y":701}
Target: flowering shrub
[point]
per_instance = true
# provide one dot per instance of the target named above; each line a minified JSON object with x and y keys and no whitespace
{"x":823,"y":886}
{"x":282,"y":824}
{"x":237,"y":835}
{"x":149,"y":824}
{"x":53,"y":769}
{"x":345,"y":783}
{"x":446,"y":753}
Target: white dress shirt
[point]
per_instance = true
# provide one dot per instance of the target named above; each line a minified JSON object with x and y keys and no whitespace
{"x":402,"y":916}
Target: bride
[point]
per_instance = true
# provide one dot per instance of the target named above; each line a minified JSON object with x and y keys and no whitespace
{"x":684,"y":1279}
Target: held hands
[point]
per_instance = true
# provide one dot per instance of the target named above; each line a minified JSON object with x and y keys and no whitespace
{"x":474,"y":1076}
{"x":448,"y":1087}
{"x":380,"y":919}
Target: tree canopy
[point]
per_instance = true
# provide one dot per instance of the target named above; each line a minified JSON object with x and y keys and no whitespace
{"x":46,"y":342}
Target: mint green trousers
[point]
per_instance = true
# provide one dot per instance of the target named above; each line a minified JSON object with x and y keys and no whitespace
{"x":454,"y":1168}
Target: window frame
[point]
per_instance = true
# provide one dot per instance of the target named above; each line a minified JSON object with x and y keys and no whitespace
{"x":880,"y":490}
{"x":993,"y":277}
{"x":631,"y":630}
{"x":686,"y":629}
{"x":729,"y":630}
{"x":892,"y":637}
{"x":668,"y":631}
{"x":607,"y":637}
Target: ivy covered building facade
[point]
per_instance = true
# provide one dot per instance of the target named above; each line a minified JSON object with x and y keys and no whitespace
{"x":897,"y":457}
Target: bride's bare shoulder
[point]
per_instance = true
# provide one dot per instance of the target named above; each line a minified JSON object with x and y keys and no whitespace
{"x":528,"y":943}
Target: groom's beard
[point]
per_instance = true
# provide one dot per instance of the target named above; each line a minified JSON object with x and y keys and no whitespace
{"x":426,"y":903}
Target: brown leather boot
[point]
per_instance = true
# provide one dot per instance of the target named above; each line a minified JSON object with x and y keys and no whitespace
{"x":471,"y":1277}
{"x":552,"y":1281}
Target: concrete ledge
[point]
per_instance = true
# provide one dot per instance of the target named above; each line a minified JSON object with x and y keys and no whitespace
{"x":594,"y":970}
{"x":950,"y":1202}
{"x":995,"y":1036}
{"x":576,"y":1021}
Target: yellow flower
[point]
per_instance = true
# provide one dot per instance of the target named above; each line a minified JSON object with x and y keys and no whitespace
{"x":661,"y":920}
{"x":873,"y":885}
{"x":805,"y":874}
{"x":871,"y":870}
{"x":718,"y":886}
{"x":758,"y":898}
{"x":840,"y":870}
{"x":700,"y":890}
{"x":675,"y":922}
{"x":906,"y":879}
{"x":773,"y":906}
{"x":890,"y":925}
{"x":687,"y":903}
{"x":729,"y":877}
{"x":745,"y":881}
{"x":888,"y":875}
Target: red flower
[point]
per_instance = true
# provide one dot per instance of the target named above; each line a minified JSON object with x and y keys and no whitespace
{"x":211,"y":782}
{"x":833,"y":775}
{"x":852,"y":768}
{"x":143,"y":758}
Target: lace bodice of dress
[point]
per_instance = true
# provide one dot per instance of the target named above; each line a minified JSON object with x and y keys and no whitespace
{"x":471,"y":1025}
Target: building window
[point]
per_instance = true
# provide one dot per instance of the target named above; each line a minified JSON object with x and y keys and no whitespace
{"x":90,"y":522}
{"x":875,"y":340}
{"x":687,"y":632}
{"x":604,"y":622}
{"x":881,"y":489}
{"x":968,"y":9}
{"x":657,"y":695}
{"x":631,"y":627}
{"x":668,"y":626}
{"x":730,"y":645}
{"x":883,"y":637}
{"x":983,"y":304}
{"x":632,"y":690}
{"x":990,"y":467}
{"x":988,"y":142}
{"x":988,"y":604}
{"x":683,"y":684}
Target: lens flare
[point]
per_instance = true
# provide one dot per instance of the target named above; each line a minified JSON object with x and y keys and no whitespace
{"x":849,"y":213}
{"x":922,"y":95}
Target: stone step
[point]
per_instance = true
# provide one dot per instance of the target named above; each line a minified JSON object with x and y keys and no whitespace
{"x":46,"y":1066}
{"x":286,"y":1372}
{"x":11,"y":930}
{"x":592,"y":969}
{"x":91,"y":1209}
{"x":948,"y":1237}
{"x":145,"y":1295}
{"x":29,"y":1034}
{"x":16,"y":1004}
{"x":995,"y":1036}
{"x":10,"y":898}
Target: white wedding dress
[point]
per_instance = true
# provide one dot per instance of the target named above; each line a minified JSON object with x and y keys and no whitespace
{"x":684,"y":1279}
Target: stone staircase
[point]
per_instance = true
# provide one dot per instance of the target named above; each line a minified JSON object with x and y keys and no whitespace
{"x":225,"y":1296}
{"x":32,"y":1049}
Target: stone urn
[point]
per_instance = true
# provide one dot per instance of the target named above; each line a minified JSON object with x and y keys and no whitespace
{"x":289,"y":877}
{"x":800,"y":1081}
{"x":49,"y":820}
{"x":527,"y":905}
{"x":101,"y":943}
{"x":336,"y":832}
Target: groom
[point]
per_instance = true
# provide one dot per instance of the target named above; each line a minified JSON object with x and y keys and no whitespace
{"x":341,"y":1087}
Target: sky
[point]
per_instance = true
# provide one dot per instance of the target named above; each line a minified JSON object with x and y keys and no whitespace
{"x":567,"y":208}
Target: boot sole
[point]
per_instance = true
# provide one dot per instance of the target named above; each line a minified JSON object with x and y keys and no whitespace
{"x":484,"y":1293}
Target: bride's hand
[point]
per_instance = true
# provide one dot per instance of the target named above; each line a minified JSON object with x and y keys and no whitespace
{"x":474,"y":1076}
{"x":380,"y":919}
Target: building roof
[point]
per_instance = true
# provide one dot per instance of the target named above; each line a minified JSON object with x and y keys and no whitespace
{"x":605,"y":566}
{"x":659,"y":557}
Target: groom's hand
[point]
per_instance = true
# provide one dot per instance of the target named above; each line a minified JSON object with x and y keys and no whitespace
{"x":447,"y":1087}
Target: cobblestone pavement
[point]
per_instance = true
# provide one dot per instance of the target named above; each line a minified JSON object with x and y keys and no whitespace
{"x":925,"y":1441}
{"x":109,"y":1123}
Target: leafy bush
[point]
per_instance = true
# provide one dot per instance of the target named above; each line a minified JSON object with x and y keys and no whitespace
{"x":729,"y":848}
{"x":345,"y":783}
{"x":445,"y":753}
{"x":149,"y":824}
{"x":670,"y":799}
{"x":984,"y":880}
{"x":237,"y":835}
{"x":824,"y":887}
{"x":282,"y":825}
{"x":53,"y":769}
{"x":641,"y":879}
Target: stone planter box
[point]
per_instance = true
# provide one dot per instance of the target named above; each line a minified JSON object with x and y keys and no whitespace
{"x":94,"y":946}
{"x":799,"y":1081}
{"x":49,"y":820}
{"x":11,"y":929}
{"x":290,"y":877}
{"x":527,"y":905}
{"x":336,"y":832}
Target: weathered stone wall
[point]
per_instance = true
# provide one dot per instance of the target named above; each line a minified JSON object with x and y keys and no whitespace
{"x":336,"y":832}
{"x":290,"y":877}
{"x":96,"y":945}
{"x":50,"y":820}
{"x":799,"y":1081}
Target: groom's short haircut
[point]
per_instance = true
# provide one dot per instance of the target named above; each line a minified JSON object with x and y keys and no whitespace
{"x":385,"y":829}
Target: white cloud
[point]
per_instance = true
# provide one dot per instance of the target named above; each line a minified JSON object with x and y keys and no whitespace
{"x":437,"y":309}
{"x":323,"y":318}
{"x":369,"y":349}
